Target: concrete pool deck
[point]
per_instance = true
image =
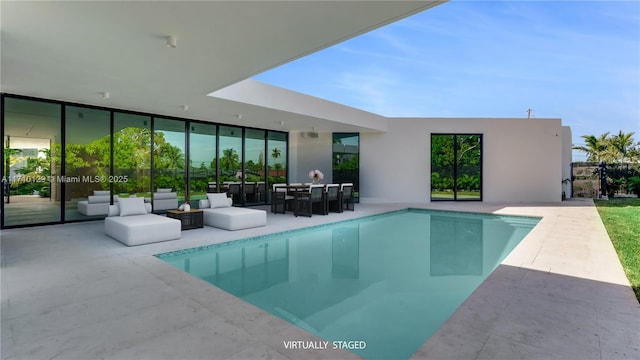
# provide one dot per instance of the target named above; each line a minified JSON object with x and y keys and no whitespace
{"x":70,"y":292}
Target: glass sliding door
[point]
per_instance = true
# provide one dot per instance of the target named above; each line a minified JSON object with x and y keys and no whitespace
{"x":132,"y":155}
{"x":254,"y":167}
{"x":32,"y":162}
{"x":468,"y":167}
{"x":276,"y":160}
{"x":169,"y":156}
{"x":202,"y":161}
{"x":230,"y":155}
{"x":456,"y":167}
{"x":442,"y":167}
{"x":346,"y":160}
{"x":87,"y":162}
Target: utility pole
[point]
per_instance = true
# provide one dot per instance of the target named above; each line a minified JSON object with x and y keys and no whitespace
{"x":529,"y":110}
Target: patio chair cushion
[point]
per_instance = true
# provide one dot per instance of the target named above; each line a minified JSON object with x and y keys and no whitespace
{"x":140,"y":229}
{"x":234,"y":218}
{"x":132,"y":206}
{"x":218,"y":200}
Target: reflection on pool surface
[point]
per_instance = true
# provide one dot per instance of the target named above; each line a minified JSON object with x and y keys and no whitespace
{"x":387,"y":280}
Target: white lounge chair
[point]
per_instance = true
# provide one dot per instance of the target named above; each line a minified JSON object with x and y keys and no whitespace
{"x":132,"y":223}
{"x":218,"y":212}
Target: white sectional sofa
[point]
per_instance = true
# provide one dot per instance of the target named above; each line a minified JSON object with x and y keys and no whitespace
{"x":96,"y":204}
{"x":132,"y":223}
{"x":218,"y":212}
{"x":165,"y":199}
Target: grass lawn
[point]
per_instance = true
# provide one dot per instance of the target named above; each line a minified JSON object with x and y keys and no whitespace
{"x":621,"y":217}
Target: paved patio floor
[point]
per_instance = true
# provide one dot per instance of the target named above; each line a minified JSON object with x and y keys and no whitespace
{"x":70,"y":292}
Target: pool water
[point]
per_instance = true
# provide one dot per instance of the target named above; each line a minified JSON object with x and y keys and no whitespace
{"x":387,"y":281}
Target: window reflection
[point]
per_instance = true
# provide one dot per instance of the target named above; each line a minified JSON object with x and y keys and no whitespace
{"x":87,"y":159}
{"x":168,"y":162}
{"x":254,"y":148}
{"x":132,"y":155}
{"x":456,"y":167}
{"x":202,"y":162}
{"x":346,"y":160}
{"x":230,"y":152}
{"x":32,"y":189}
{"x":241,"y":161}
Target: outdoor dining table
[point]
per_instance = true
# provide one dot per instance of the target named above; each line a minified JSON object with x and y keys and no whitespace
{"x":293,"y":188}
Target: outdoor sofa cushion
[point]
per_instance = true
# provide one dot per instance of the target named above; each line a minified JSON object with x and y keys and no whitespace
{"x":232,"y":218}
{"x":165,"y":200}
{"x":140,"y":229}
{"x":96,"y":204}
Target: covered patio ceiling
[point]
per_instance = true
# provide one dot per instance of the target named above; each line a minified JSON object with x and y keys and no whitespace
{"x":78,"y":51}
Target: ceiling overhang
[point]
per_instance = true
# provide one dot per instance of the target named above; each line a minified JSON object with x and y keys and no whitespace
{"x":77,"y":51}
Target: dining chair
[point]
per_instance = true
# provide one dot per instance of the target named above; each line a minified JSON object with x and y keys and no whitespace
{"x":305,"y":201}
{"x":333,"y":197}
{"x":346,"y":193}
{"x":280,"y":199}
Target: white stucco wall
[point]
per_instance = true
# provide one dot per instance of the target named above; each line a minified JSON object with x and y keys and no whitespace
{"x":308,"y":153}
{"x":524,"y":160}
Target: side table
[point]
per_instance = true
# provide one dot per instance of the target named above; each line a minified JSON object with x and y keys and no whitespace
{"x":192,"y":219}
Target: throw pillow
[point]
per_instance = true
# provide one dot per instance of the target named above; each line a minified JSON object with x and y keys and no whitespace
{"x":218,"y":200}
{"x":132,"y":206}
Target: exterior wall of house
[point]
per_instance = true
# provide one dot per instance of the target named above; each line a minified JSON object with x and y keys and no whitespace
{"x":567,"y":159}
{"x":310,"y":153}
{"x":522,"y":159}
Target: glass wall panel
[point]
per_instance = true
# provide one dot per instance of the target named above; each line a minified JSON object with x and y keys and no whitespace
{"x":132,"y":155}
{"x":32,"y":162}
{"x":230,"y":153}
{"x":346,"y":160}
{"x":87,"y":162}
{"x":202,"y":162}
{"x":468,"y":167}
{"x":456,"y":167}
{"x":169,"y":144}
{"x":254,"y":166}
{"x":277,"y":159}
{"x":442,"y":167}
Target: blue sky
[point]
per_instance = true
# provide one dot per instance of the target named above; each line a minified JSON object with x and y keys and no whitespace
{"x":576,"y":60}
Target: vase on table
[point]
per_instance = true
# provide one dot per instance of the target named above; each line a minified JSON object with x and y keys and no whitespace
{"x":316,"y":180}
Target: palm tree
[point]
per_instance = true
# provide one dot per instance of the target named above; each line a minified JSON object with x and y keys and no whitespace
{"x":595,"y":148}
{"x":621,"y":146}
{"x":275,"y":153}
{"x":229,"y":160}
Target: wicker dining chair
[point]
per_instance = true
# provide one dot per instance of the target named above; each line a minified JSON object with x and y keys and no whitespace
{"x":333,"y":198}
{"x":279,"y":199}
{"x":305,"y":201}
{"x":346,"y":191}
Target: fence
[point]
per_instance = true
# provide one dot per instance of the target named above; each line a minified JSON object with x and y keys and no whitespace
{"x":591,"y":180}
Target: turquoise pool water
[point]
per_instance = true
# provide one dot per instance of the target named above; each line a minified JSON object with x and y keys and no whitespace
{"x":384,"y":282}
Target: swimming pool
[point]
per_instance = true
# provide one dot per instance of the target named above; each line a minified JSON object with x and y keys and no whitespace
{"x":384,"y":282}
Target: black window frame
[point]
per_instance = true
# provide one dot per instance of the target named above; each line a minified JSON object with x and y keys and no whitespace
{"x":455,"y":167}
